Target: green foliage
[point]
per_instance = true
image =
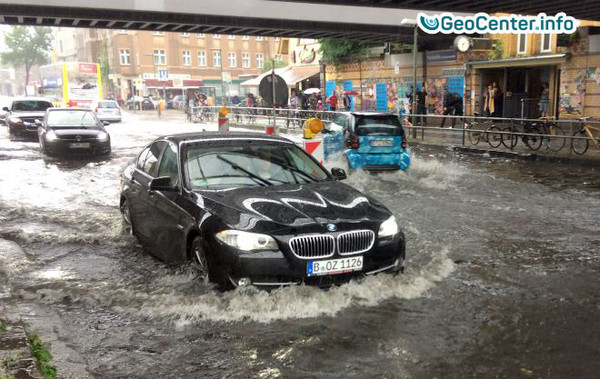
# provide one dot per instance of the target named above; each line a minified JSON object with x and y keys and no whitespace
{"x":41,"y":353}
{"x":338,"y":50}
{"x":268,"y":66}
{"x":104,"y":64}
{"x":27,"y":46}
{"x":498,"y":51}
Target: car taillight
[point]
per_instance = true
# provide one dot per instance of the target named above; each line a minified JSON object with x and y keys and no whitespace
{"x":354,"y":144}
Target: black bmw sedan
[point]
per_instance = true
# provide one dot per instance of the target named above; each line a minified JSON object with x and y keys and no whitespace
{"x":72,"y":131}
{"x":251,"y":209}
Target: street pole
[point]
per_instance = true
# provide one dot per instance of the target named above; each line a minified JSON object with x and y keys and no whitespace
{"x":222,"y":81}
{"x":273,"y":86}
{"x":414,"y":91}
{"x":362,"y":100}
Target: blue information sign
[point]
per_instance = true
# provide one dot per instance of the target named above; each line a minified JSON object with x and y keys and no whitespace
{"x":382,"y":100}
{"x":329,"y":88}
{"x":456,"y":84}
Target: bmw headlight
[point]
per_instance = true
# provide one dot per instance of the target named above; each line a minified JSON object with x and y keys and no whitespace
{"x":15,"y":120}
{"x":51,"y":136}
{"x":247,"y":241}
{"x":388,"y":228}
{"x":102,"y":136}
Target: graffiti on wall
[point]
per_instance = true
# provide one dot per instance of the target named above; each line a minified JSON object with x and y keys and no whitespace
{"x":571,"y":100}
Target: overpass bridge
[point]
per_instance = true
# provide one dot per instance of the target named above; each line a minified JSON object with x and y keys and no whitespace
{"x":366,"y":20}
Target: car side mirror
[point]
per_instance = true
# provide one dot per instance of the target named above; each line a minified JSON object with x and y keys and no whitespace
{"x":38,"y":122}
{"x":162,"y":183}
{"x":338,"y":173}
{"x":105,"y":123}
{"x":5,"y":109}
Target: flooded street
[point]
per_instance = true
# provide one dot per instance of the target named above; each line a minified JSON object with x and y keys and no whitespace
{"x":501,"y":277}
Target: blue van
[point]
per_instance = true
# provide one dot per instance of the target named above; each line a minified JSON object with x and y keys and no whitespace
{"x":373,"y":141}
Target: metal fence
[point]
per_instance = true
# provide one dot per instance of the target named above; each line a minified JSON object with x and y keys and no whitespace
{"x":494,"y":132}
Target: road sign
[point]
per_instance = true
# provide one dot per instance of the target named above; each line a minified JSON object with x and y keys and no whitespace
{"x":163,"y":74}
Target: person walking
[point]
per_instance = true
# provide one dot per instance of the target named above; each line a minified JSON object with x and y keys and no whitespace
{"x":544,"y":100}
{"x":448,"y":107}
{"x":488,"y":101}
{"x":421,"y":108}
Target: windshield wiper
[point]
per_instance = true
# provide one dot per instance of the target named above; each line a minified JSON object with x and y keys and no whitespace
{"x":235,"y":166}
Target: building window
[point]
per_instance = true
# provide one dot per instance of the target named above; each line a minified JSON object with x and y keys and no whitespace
{"x":245,"y":38}
{"x":202,"y":58}
{"x":185,"y":34}
{"x":245,"y":60}
{"x":124,"y":57}
{"x":200,"y":35}
{"x":231,"y":58}
{"x":160,"y":57}
{"x":231,"y":36}
{"x":521,"y":43}
{"x":187,"y":58}
{"x":546,"y":43}
{"x":216,"y":58}
{"x":259,"y":38}
{"x":259,"y":61}
{"x":216,"y":36}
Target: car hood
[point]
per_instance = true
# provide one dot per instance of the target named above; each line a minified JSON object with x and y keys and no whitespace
{"x":304,"y":206}
{"x":70,"y":131}
{"x":28,"y":114}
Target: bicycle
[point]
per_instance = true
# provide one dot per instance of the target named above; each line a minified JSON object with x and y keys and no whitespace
{"x":477,"y":129}
{"x":545,"y":132}
{"x":588,"y":132}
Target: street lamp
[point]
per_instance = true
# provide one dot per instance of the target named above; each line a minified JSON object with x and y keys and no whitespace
{"x":222,"y":80}
{"x":413,"y":23}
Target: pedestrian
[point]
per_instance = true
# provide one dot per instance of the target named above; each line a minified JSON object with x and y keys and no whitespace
{"x":544,"y":100}
{"x":498,"y":96}
{"x":448,"y":107}
{"x":421,"y":108}
{"x":409,"y":95}
{"x":332,"y":101}
{"x":488,"y":101}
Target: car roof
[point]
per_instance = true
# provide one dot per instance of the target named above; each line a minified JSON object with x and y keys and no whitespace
{"x":31,"y":98}
{"x":222,"y":136}
{"x":59,"y":109}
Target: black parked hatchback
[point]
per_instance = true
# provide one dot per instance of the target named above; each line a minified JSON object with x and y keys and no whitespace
{"x":249,"y":209}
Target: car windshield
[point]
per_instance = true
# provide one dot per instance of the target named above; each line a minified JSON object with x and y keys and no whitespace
{"x":71,"y":118}
{"x":107,"y":104}
{"x":389,"y":125}
{"x":30,"y":106}
{"x":218,"y":167}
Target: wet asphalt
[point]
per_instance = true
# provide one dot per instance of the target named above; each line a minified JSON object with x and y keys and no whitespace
{"x":501,"y":278}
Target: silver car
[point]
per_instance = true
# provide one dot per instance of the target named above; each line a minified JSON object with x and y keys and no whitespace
{"x":107,"y":110}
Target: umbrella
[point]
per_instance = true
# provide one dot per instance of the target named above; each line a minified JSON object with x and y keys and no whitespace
{"x":351,"y":92}
{"x":310,"y":91}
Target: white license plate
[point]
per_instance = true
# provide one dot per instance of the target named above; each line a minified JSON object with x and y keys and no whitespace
{"x":79,"y":145}
{"x":334,"y":266}
{"x":385,"y":143}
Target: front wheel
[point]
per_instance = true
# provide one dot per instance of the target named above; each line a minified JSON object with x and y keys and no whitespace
{"x":127,"y":219}
{"x":494,"y":137}
{"x":509,"y":139}
{"x":557,"y":139}
{"x":205,"y":266}
{"x":474,"y":134}
{"x":580,"y":145}
{"x":533,"y":142}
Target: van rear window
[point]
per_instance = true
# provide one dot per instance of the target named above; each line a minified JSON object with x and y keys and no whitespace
{"x":379,"y":126}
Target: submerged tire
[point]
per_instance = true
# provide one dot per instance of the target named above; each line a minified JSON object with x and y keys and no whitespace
{"x":127,"y":219}
{"x":205,"y":266}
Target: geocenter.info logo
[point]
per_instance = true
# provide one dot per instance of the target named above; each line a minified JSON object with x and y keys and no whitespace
{"x":483,"y":23}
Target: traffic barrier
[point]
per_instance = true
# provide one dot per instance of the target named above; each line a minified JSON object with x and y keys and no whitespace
{"x":314,"y":147}
{"x":272,"y":129}
{"x":223,"y":124}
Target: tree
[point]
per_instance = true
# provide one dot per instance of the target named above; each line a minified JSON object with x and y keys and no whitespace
{"x":105,"y":66}
{"x":27,"y":46}
{"x":268,"y":66}
{"x":338,"y":50}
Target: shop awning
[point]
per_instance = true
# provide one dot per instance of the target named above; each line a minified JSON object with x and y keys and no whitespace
{"x":291,"y":75}
{"x":154,"y":83}
{"x":192,"y":83}
{"x":542,"y":60}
